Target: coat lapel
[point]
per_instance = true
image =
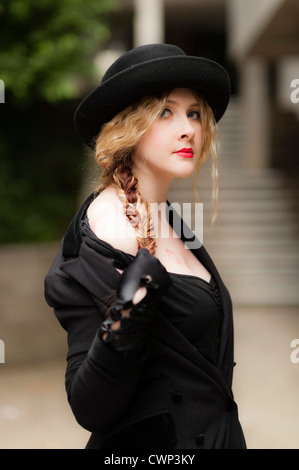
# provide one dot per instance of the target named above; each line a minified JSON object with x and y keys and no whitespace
{"x":164,"y":331}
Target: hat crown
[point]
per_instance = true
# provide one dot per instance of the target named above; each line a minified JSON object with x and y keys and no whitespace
{"x":141,"y":54}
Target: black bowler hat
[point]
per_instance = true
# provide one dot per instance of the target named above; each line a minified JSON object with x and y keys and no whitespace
{"x":146,"y":70}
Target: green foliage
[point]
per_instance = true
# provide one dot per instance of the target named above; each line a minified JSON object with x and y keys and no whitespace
{"x":47,"y":45}
{"x":46,"y":54}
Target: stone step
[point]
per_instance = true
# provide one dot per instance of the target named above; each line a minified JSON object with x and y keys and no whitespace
{"x":260,"y":231}
{"x":254,"y":217}
{"x":233,"y":179}
{"x":232,"y":190}
{"x":263,"y":245}
{"x":254,"y":260}
{"x":253,"y":239}
{"x":246,"y":291}
{"x":241,"y":204}
{"x":278,"y":276}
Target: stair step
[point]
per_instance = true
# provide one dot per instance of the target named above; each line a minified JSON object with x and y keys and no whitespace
{"x":242,"y":204}
{"x":254,"y":265}
{"x":248,"y":292}
{"x":228,"y":188}
{"x":254,"y":217}
{"x":232,"y":179}
{"x":288,"y":246}
{"x":225,"y":232}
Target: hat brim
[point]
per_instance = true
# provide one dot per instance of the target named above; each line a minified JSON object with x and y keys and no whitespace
{"x":206,"y":77}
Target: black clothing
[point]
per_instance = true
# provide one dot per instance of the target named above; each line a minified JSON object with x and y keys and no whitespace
{"x":191,"y":304}
{"x":171,"y":393}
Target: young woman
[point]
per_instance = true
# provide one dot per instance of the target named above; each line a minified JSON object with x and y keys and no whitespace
{"x":149,"y":320}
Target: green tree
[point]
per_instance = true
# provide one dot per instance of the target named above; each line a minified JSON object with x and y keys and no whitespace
{"x":46,"y":56}
{"x":47,"y":45}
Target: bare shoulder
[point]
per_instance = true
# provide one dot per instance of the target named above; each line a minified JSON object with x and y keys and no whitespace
{"x":108,"y":222}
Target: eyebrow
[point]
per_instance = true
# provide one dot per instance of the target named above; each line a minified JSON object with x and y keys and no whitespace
{"x":175,"y":102}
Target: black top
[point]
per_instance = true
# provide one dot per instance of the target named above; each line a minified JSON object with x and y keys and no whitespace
{"x":191,"y":304}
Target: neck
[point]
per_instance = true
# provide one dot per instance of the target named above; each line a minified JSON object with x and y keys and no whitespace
{"x":153,"y":188}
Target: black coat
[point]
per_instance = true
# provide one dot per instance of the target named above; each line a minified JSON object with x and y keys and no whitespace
{"x":169,"y":396}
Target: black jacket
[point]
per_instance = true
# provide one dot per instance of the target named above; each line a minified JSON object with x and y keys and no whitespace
{"x":169,"y":396}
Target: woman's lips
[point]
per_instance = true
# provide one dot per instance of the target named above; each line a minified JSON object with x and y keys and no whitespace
{"x":185,"y":153}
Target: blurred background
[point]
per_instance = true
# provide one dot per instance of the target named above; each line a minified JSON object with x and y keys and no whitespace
{"x":52,"y":54}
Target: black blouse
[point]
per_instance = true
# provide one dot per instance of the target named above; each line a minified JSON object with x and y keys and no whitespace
{"x":191,"y":304}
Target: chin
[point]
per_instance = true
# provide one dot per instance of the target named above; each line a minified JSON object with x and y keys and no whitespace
{"x":185,"y":171}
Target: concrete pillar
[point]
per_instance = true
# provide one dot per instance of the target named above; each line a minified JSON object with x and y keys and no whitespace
{"x":148,"y":22}
{"x":256,"y":109}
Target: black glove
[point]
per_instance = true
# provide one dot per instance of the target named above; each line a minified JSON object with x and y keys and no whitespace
{"x":144,"y":271}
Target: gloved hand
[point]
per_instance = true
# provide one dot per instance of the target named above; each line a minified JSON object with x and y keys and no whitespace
{"x":144,"y":271}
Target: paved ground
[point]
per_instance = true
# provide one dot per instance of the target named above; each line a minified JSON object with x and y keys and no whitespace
{"x":34,"y":413}
{"x":266,"y":380}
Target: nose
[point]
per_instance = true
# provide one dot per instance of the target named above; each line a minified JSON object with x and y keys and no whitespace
{"x":185,"y":129}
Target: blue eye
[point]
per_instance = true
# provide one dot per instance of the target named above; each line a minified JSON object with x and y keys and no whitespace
{"x":165,"y":112}
{"x":194,"y":115}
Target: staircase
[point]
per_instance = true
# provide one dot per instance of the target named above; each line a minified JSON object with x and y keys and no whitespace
{"x":255,"y":242}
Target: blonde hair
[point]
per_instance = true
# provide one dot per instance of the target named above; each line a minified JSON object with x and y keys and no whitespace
{"x":209,"y":148}
{"x":113,"y":152}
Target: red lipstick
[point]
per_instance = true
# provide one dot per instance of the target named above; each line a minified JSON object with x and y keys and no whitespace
{"x":185,"y":153}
